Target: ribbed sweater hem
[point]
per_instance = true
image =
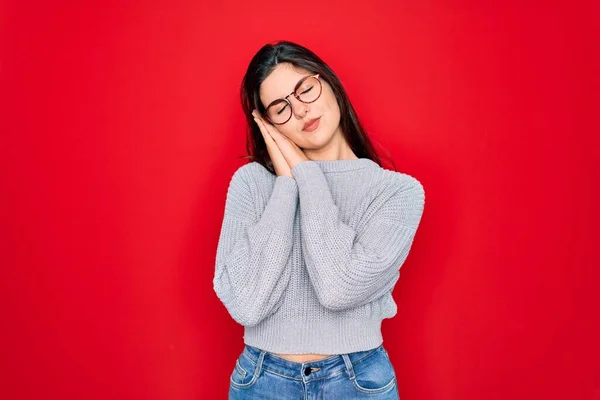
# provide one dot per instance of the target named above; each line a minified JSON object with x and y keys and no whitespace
{"x":340,"y":336}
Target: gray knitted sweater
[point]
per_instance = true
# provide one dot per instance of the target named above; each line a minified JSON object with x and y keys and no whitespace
{"x":307,"y":264}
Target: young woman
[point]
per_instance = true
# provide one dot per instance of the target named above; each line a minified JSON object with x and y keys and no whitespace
{"x":313,"y":236}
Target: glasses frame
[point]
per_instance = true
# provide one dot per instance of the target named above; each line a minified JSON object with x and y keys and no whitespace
{"x":300,"y":82}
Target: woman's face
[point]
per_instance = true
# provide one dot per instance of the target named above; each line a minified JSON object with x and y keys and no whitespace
{"x":282,"y":82}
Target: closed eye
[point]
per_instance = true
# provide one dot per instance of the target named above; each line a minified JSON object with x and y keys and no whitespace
{"x":280,"y":111}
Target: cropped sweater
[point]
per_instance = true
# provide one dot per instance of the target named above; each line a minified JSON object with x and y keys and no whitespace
{"x":308,"y":264}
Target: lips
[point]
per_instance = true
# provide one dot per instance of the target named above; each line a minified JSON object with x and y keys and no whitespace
{"x":311,"y":125}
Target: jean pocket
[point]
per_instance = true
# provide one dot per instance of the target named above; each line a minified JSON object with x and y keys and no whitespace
{"x":245,"y":372}
{"x":375,"y":373}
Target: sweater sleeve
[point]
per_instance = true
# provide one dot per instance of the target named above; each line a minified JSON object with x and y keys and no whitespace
{"x":251,"y":271}
{"x":349,"y":268}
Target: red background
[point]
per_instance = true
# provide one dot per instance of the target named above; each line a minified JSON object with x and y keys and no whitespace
{"x":120,"y":128}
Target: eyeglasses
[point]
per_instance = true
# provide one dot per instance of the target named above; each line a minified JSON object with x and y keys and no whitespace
{"x":307,"y":90}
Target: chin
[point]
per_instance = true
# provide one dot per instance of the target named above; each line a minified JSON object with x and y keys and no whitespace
{"x":318,"y":141}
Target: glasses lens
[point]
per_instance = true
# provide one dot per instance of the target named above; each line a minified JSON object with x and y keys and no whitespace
{"x":279,"y":112}
{"x":309,"y":90}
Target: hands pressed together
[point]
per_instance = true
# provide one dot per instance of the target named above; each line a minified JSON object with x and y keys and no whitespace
{"x":284,"y":153}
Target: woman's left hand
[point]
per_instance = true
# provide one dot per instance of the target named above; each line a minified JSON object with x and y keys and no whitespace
{"x":291,"y":152}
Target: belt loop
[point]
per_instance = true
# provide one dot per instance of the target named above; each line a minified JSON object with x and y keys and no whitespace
{"x":349,"y":367}
{"x":259,"y":362}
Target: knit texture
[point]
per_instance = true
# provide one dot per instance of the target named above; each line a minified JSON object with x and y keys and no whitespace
{"x":307,"y":264}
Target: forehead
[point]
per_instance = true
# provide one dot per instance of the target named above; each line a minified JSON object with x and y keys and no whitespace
{"x":281,"y":82}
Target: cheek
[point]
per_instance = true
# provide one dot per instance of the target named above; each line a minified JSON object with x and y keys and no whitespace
{"x":288,"y":131}
{"x":333,"y":110}
{"x":330,"y":103}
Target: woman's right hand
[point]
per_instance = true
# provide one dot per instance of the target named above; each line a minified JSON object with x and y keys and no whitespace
{"x":280,"y":164}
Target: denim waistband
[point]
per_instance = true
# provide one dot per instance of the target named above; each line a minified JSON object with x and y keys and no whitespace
{"x":310,"y":370}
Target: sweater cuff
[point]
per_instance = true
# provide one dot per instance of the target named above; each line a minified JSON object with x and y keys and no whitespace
{"x":281,"y":208}
{"x":314,"y":191}
{"x":306,"y":170}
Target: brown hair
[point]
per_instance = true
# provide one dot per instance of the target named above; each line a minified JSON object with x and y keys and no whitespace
{"x":262,"y":64}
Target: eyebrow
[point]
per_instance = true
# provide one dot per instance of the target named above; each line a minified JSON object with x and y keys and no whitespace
{"x":295,"y":88}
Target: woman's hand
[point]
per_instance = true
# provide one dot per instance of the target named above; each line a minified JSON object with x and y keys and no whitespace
{"x":284,"y":153}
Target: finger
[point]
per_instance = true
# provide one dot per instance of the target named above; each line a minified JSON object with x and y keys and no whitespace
{"x":257,"y":121}
{"x":274,"y":151}
{"x":258,"y":116}
{"x":285,"y":146}
{"x":273,"y":137}
{"x":271,"y":144}
{"x":262,"y":127}
{"x":272,"y":131}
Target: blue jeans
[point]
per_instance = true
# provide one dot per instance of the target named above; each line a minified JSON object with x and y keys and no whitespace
{"x":361,"y":375}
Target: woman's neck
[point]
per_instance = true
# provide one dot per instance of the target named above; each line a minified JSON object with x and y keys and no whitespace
{"x":336,"y":149}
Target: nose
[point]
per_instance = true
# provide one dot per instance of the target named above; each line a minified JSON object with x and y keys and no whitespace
{"x":300,"y":108}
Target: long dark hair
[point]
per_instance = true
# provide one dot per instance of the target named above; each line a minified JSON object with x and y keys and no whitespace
{"x":262,"y":64}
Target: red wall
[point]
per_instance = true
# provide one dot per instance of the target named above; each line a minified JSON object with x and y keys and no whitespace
{"x":120,"y":128}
